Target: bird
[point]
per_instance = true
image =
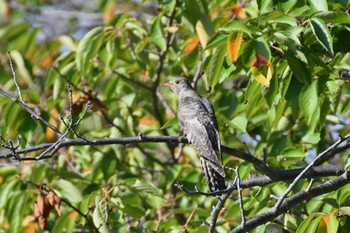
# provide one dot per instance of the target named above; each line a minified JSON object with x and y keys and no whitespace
{"x":197,"y":119}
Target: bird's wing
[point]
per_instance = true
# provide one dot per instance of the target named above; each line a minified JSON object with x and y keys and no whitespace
{"x":198,"y":135}
{"x":211,"y":124}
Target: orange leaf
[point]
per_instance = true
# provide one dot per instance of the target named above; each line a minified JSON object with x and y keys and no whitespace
{"x":50,"y":134}
{"x":31,"y":228}
{"x":190,"y":45}
{"x":73,"y":214}
{"x":148,"y":120}
{"x":109,"y":11}
{"x":238,"y":11}
{"x":234,"y":42}
{"x":47,"y":62}
{"x":146,"y":76}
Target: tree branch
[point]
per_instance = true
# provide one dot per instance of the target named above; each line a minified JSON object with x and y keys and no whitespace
{"x":319,"y":157}
{"x":326,"y":187}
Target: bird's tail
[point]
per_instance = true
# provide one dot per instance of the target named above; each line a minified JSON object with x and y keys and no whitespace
{"x":215,"y":180}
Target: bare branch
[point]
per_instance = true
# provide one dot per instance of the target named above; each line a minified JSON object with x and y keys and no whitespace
{"x":32,"y":113}
{"x":326,"y":187}
{"x":169,"y":37}
{"x":325,"y":152}
{"x":216,"y":211}
{"x":197,"y":75}
{"x":240,"y":199}
{"x":184,"y":228}
{"x":14,"y":76}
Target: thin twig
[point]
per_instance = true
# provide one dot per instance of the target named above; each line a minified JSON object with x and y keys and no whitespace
{"x":137,"y":83}
{"x":325,"y":152}
{"x":165,"y":104}
{"x":197,"y":74}
{"x":240,"y":198}
{"x":32,"y":113}
{"x":326,"y":187}
{"x":70,"y":127}
{"x":198,"y":192}
{"x":184,"y":228}
{"x":216,"y":211}
{"x":14,"y":76}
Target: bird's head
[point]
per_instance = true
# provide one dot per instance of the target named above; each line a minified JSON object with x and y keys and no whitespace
{"x":178,"y":84}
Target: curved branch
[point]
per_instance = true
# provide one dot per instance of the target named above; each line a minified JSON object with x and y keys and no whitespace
{"x":328,"y":186}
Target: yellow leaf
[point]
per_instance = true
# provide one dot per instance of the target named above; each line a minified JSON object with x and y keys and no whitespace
{"x":171,"y":29}
{"x":234,"y":42}
{"x":202,"y":34}
{"x":269,"y":72}
{"x":260,"y":77}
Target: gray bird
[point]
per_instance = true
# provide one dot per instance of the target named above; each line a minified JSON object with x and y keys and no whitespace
{"x":197,"y":118}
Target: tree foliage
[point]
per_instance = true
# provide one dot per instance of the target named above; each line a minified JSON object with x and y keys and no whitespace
{"x":275,"y":71}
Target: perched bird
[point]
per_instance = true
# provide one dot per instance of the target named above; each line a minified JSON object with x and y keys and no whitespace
{"x":197,"y":118}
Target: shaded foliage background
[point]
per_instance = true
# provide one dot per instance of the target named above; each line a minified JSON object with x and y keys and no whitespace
{"x":270,"y":68}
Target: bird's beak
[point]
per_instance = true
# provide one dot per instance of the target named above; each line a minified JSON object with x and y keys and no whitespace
{"x":167,"y":84}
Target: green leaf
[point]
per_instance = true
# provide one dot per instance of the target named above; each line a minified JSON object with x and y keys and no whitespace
{"x":263,"y":5}
{"x":134,"y":211}
{"x":293,"y":153}
{"x":319,"y":5}
{"x":5,"y":192}
{"x":240,"y":122}
{"x":333,"y":17}
{"x":142,"y":185}
{"x":87,"y":49}
{"x":155,"y":201}
{"x":263,"y":48}
{"x":60,"y":223}
{"x":343,"y":195}
{"x":308,"y":100}
{"x":248,"y":53}
{"x":215,"y":65}
{"x":299,"y":68}
{"x":58,"y":88}
{"x":310,"y":224}
{"x":312,"y":138}
{"x":278,"y":17}
{"x":170,"y":123}
{"x":172,"y":175}
{"x":344,"y":211}
{"x":8,"y":170}
{"x":332,"y":223}
{"x":234,"y":26}
{"x":69,"y":191}
{"x":99,"y":214}
{"x":216,"y":40}
{"x":130,"y":198}
{"x":287,"y":6}
{"x":15,"y":210}
{"x":194,"y":10}
{"x":347,"y":163}
{"x":21,"y":67}
{"x":322,"y":34}
{"x":157,"y":33}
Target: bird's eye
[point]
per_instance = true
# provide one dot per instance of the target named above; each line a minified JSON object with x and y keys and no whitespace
{"x":177,"y":82}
